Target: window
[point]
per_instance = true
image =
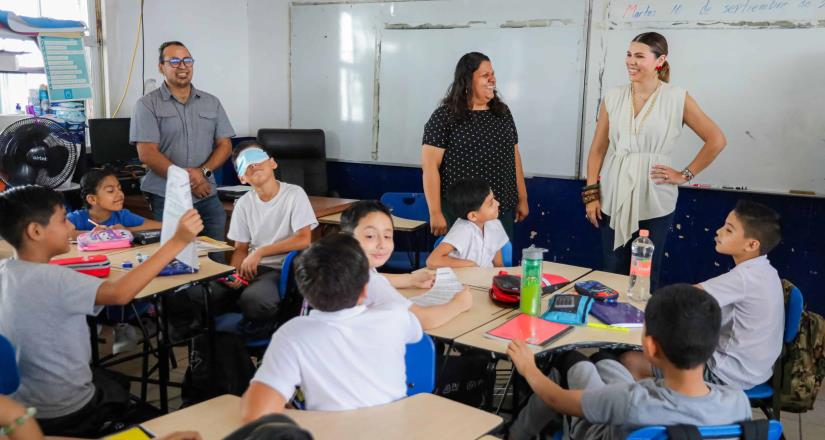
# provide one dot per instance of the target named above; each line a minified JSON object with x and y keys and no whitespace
{"x":15,"y":86}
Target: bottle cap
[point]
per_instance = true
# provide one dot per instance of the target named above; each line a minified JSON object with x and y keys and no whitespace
{"x":643,"y":233}
{"x":533,"y":253}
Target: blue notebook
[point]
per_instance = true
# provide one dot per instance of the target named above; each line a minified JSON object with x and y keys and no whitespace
{"x":618,"y":314}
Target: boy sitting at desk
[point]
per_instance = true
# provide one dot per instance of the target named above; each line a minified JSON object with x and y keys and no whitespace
{"x":43,"y":309}
{"x":751,"y":298}
{"x":475,"y":239}
{"x":681,"y":330}
{"x":268,"y":222}
{"x":343,"y":355}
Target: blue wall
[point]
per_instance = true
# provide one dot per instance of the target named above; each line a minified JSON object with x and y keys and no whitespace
{"x":557,"y":223}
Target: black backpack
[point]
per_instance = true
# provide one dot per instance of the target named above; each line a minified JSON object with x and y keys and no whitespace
{"x":232,"y":373}
{"x":270,"y":427}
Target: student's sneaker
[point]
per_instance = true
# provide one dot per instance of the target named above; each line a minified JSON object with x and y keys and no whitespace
{"x":126,"y":338}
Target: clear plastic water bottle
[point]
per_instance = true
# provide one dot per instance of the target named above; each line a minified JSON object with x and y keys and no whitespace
{"x":530,"y":295}
{"x":641,"y":262}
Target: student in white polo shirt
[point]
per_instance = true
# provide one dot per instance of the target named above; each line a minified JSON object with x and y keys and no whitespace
{"x":751,"y":298}
{"x":370,"y":222}
{"x":475,"y":239}
{"x":343,"y":355}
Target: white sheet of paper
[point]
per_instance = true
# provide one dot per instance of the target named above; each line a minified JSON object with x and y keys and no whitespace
{"x":178,"y":201}
{"x":444,"y":289}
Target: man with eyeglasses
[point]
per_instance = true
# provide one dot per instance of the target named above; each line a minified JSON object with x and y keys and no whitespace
{"x":177,"y":124}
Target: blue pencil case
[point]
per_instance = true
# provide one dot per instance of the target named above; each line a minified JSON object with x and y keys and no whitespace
{"x":176,"y":267}
{"x":568,"y":309}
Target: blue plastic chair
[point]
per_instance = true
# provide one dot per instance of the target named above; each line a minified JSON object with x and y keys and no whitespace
{"x":762,"y":395}
{"x":411,"y":206}
{"x":420,"y":363}
{"x":506,"y":252}
{"x":720,"y":431}
{"x":228,"y":322}
{"x":9,"y":374}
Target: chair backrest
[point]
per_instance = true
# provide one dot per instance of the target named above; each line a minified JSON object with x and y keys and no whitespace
{"x":9,"y":375}
{"x":720,"y":431}
{"x":301,"y":157}
{"x":793,"y":314}
{"x":411,"y":206}
{"x":283,"y":283}
{"x":506,"y":252}
{"x":420,"y":363}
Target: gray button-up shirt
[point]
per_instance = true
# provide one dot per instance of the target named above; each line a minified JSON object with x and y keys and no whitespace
{"x":186,"y":133}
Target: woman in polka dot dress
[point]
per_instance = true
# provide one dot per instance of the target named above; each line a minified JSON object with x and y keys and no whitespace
{"x":472,"y":135}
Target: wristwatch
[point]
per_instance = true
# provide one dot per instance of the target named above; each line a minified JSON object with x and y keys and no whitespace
{"x":206,"y":172}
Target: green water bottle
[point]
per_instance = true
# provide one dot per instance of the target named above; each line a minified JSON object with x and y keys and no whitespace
{"x":530,"y":301}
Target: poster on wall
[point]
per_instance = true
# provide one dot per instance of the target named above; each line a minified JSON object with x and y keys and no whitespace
{"x":67,"y":74}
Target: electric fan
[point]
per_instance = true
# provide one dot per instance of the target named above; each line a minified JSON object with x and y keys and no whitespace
{"x":37,"y":151}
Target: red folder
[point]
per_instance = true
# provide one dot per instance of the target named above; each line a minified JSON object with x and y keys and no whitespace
{"x":533,"y":330}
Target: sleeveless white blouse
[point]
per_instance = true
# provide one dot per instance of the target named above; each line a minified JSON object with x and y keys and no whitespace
{"x":628,"y":194}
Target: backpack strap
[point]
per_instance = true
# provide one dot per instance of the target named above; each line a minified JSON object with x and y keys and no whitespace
{"x":755,"y":429}
{"x":683,"y":432}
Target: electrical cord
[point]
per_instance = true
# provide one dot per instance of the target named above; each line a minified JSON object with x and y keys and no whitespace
{"x":132,"y":62}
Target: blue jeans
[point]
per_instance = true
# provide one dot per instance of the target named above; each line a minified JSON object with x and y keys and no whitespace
{"x":618,"y":260}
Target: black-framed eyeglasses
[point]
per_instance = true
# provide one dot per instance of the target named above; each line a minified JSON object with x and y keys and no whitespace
{"x":175,"y":61}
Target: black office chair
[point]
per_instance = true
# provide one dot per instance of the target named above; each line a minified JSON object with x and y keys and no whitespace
{"x":301,"y":157}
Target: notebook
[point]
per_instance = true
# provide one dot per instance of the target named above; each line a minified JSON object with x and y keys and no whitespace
{"x":619,"y":314}
{"x":533,"y":330}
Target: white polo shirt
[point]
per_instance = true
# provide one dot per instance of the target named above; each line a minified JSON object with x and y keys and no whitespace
{"x":349,"y":359}
{"x":473,"y":243}
{"x":381,"y":291}
{"x":753,"y":322}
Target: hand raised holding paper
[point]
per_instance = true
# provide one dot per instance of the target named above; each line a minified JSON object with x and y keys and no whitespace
{"x":189,"y":226}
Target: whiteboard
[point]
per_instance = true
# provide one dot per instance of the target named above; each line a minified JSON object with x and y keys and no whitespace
{"x":370,"y":75}
{"x":373,"y":76}
{"x":755,"y":67}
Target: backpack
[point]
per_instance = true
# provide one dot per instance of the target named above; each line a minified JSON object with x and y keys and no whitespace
{"x":233,"y":368}
{"x":270,"y":427}
{"x":803,"y":366}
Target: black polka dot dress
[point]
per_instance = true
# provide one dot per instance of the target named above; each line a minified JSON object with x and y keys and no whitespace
{"x":482,"y":145}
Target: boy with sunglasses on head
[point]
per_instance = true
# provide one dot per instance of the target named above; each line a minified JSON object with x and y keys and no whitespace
{"x":268,"y":222}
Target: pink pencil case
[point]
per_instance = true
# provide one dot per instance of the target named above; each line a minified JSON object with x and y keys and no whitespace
{"x":103,"y":240}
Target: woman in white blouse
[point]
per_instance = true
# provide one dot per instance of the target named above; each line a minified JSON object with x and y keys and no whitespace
{"x":630,"y":182}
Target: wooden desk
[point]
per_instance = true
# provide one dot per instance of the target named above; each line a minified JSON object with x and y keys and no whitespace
{"x":322,"y":206}
{"x":399,"y":224}
{"x":580,"y":337}
{"x":484,"y":310}
{"x":423,"y":416}
{"x":208,"y":270}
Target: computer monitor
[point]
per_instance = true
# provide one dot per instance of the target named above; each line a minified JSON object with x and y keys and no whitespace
{"x":110,"y":141}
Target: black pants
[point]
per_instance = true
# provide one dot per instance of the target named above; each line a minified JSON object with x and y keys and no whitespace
{"x":100,"y":415}
{"x":618,"y":260}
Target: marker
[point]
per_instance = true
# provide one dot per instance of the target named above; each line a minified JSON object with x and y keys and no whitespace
{"x":740,"y":188}
{"x":701,"y":185}
{"x":802,"y":192}
{"x":607,"y":327}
